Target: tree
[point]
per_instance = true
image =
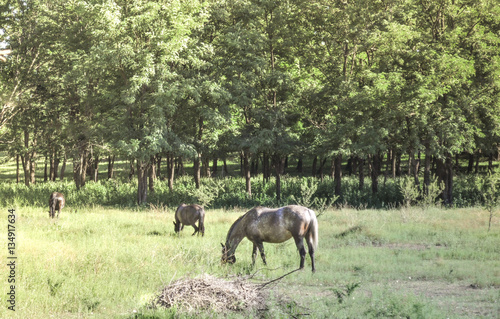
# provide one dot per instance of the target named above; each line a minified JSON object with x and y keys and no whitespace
{"x":149,"y":45}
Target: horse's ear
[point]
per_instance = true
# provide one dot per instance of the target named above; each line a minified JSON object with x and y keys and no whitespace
{"x":222,"y":245}
{"x":174,"y":223}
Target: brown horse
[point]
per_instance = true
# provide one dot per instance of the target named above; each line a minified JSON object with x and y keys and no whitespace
{"x":189,"y":215}
{"x":262,"y":224}
{"x":56,"y":202}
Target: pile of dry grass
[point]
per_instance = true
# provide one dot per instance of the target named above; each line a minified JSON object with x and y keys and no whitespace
{"x":208,"y":292}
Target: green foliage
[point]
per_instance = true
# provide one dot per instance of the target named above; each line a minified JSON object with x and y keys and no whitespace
{"x":409,"y":190}
{"x":491,"y":195}
{"x":431,"y":194}
{"x":345,"y":292}
{"x":230,"y":192}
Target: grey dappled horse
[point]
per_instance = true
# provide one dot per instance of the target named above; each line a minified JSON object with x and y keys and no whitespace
{"x":277,"y":225}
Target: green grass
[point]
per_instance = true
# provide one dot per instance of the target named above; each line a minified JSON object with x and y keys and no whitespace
{"x":108,"y":263}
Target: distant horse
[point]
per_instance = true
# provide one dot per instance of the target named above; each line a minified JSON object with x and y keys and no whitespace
{"x":262,"y":224}
{"x":189,"y":215}
{"x":56,"y":202}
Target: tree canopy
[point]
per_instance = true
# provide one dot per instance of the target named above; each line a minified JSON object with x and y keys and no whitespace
{"x":263,"y":79}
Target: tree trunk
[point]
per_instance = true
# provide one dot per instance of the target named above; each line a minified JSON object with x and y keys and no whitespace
{"x":445,"y":175}
{"x":355,"y":161}
{"x":375,"y":171}
{"x":80,"y":168}
{"x":300,"y":165}
{"x":416,"y":170}
{"x":197,"y":170}
{"x":393,"y":161}
{"x":26,"y":169}
{"x":332,"y":168}
{"x":320,"y":169}
{"x":18,"y":180}
{"x":266,"y":167}
{"x":132,"y":170}
{"x":45,"y":169}
{"x":32,"y":168}
{"x":246,"y":172}
{"x":63,"y":168}
{"x":449,"y":176}
{"x":226,"y":172}
{"x":314,"y":164}
{"x":387,"y":165}
{"x":361,"y":169}
{"x":170,"y":171}
{"x":180,"y":166}
{"x":490,"y":163}
{"x":56,"y":167}
{"x":478,"y":159}
{"x":427,"y":169}
{"x":471,"y":163}
{"x":349,"y":165}
{"x":279,"y":163}
{"x":111,"y":164}
{"x":158,"y":166}
{"x":28,"y":160}
{"x":205,"y":166}
{"x":53,"y":169}
{"x":152,"y":174}
{"x":338,"y":174}
{"x":142,"y":179}
{"x":254,"y":166}
{"x":95,"y":176}
{"x":214,"y":166}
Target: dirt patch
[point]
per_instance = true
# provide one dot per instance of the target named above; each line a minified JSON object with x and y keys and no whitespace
{"x":211,"y":293}
{"x":462,"y":299}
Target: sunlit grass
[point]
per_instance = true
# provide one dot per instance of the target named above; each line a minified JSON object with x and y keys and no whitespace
{"x":108,"y":263}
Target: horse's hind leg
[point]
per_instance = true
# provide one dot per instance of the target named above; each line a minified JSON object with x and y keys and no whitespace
{"x":196,"y":229}
{"x":262,"y":254}
{"x":51,"y":209}
{"x":310,"y":247}
{"x":254,"y":253}
{"x":299,"y":242}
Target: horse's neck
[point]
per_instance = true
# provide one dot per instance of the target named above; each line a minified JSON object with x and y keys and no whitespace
{"x":235,"y":236}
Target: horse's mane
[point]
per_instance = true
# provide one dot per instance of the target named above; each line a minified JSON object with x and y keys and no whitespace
{"x":236,"y":222}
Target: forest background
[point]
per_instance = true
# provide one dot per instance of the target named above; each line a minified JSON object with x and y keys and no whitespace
{"x":347,"y":89}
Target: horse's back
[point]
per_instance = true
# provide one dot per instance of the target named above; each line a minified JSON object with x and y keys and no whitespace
{"x":57,"y":199}
{"x":188,"y":214}
{"x":279,"y":224}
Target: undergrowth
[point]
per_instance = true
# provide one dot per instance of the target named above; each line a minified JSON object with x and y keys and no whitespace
{"x":230,"y":192}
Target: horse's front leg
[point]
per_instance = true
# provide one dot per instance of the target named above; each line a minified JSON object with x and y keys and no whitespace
{"x":299,"y":242}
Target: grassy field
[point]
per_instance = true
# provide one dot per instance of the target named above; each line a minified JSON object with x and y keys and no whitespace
{"x":109,"y":263}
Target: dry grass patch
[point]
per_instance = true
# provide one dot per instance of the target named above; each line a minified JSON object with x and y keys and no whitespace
{"x":211,"y":293}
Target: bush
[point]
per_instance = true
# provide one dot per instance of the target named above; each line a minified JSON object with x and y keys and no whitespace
{"x":230,"y":192}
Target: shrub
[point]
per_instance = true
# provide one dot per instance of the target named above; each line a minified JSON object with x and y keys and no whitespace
{"x":230,"y":192}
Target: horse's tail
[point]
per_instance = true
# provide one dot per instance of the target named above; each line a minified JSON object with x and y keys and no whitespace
{"x":202,"y":221}
{"x":313,"y":229}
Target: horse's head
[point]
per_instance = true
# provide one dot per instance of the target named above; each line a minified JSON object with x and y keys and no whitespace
{"x":227,"y":257}
{"x":177,"y":226}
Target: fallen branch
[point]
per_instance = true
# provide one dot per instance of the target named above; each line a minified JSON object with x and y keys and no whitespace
{"x":279,"y":278}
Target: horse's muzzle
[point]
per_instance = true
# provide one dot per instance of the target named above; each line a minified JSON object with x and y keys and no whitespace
{"x":229,"y":260}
